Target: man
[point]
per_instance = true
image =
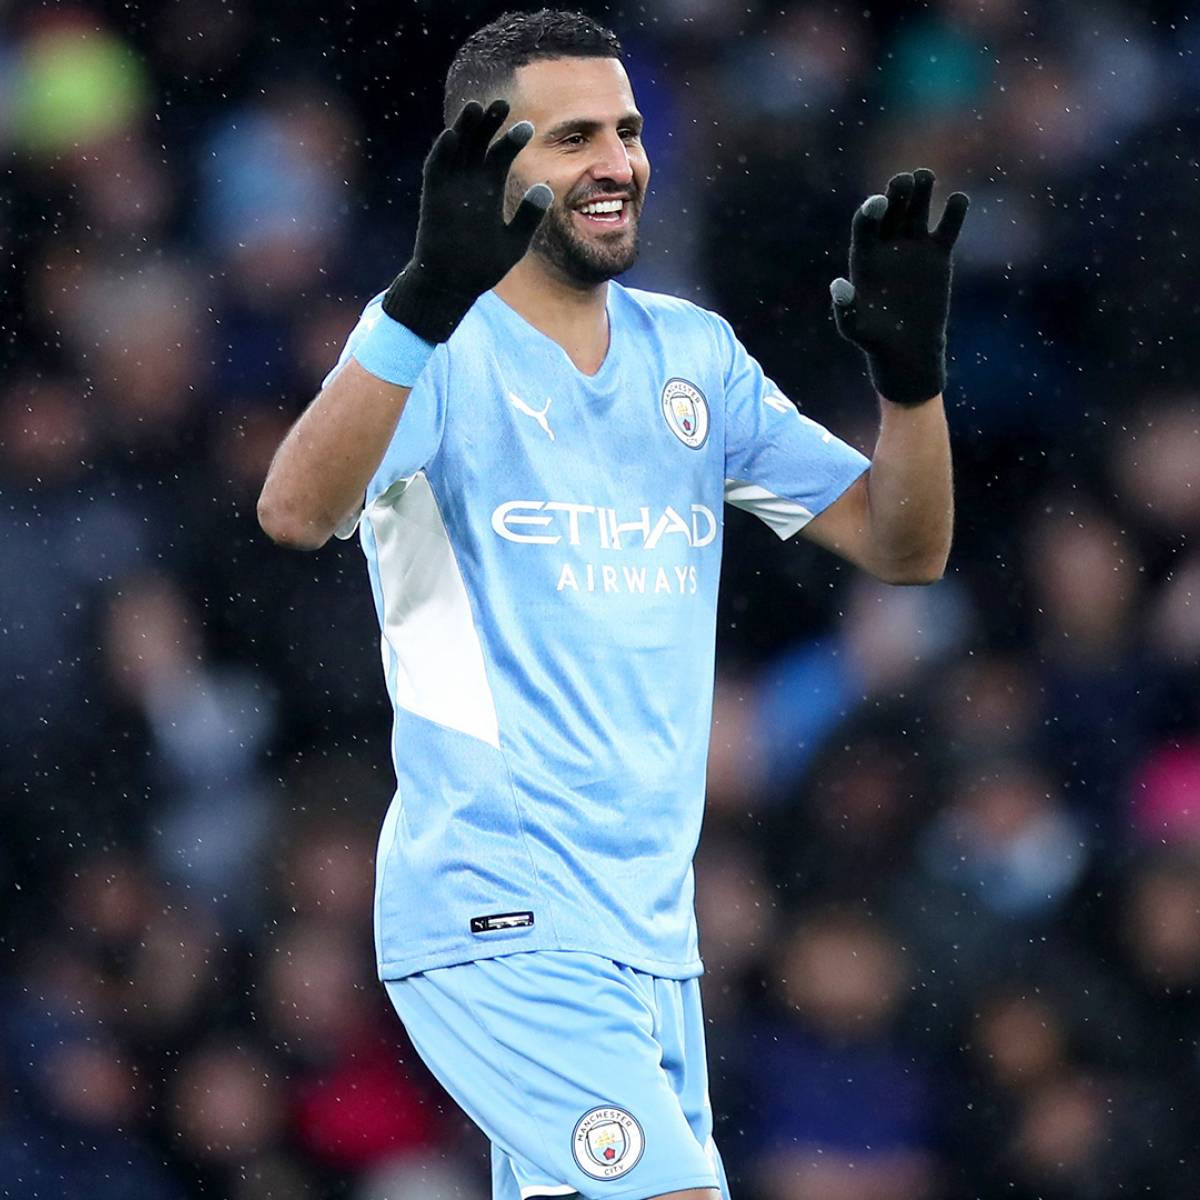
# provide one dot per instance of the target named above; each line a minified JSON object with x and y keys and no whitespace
{"x":536,"y":459}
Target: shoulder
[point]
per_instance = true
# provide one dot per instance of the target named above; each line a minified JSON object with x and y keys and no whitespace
{"x":676,"y":318}
{"x":661,"y":308}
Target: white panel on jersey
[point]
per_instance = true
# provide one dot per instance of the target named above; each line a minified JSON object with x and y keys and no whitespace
{"x":427,"y":619}
{"x":784,"y":516}
{"x":346,"y":529}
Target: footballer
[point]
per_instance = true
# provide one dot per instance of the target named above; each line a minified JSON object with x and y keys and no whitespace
{"x":536,"y":459}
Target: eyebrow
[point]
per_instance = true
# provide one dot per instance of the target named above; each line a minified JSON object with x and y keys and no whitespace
{"x":590,"y":125}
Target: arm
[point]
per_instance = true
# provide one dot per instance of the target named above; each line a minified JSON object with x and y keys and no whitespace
{"x":463,"y":247}
{"x":321,"y":469}
{"x":896,"y":520}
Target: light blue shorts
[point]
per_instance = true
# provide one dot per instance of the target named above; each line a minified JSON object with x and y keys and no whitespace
{"x":588,"y":1076}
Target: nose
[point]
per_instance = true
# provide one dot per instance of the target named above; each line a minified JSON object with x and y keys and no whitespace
{"x":612,"y":160}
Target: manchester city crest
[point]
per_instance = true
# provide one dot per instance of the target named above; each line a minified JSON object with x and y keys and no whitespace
{"x":686,"y":412}
{"x":607,"y":1142}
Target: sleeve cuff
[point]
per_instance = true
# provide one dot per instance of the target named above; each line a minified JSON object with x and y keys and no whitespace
{"x":392,"y":352}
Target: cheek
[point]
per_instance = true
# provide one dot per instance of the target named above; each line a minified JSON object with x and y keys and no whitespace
{"x":538,"y":167}
{"x":522,"y":175}
{"x":641,"y":170}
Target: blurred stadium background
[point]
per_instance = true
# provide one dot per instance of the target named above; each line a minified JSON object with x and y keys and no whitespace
{"x":949,"y":887}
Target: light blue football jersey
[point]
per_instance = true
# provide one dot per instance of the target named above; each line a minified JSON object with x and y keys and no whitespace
{"x":544,"y":550}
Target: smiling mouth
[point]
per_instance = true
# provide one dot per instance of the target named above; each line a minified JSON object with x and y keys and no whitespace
{"x":605,"y":214}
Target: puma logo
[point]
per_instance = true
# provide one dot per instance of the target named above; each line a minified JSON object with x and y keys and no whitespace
{"x":539,"y":417}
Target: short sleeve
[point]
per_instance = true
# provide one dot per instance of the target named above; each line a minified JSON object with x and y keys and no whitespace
{"x":779,"y":464}
{"x":418,"y":432}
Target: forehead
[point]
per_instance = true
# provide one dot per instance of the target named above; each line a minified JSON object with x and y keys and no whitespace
{"x":559,"y":89}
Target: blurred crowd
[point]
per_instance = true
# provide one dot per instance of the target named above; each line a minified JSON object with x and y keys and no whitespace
{"x":949,"y":886}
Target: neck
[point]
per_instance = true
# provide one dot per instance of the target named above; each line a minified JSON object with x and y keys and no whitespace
{"x":573,"y":316}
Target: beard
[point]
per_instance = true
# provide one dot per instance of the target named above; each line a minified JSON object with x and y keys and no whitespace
{"x":583,"y":261}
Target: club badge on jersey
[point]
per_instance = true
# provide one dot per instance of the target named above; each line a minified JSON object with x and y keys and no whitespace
{"x":686,"y":412}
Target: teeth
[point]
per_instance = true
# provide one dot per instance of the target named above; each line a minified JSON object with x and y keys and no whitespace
{"x":603,"y":206}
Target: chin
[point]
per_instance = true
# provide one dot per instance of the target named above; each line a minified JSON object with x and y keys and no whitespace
{"x":587,"y":260}
{"x":595,"y":272}
{"x":606,"y":260}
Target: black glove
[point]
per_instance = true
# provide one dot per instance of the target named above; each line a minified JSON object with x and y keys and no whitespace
{"x":463,"y":246}
{"x":895,"y":304}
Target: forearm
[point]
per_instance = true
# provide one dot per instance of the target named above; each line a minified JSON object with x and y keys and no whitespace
{"x":910,"y":493}
{"x":321,"y":469}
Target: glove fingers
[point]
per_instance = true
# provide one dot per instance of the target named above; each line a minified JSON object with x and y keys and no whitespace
{"x":530,"y":212}
{"x":917,"y":221}
{"x":899,"y":193}
{"x":493,"y":117}
{"x":468,"y":117}
{"x":952,"y":218}
{"x":443,"y":151}
{"x":464,"y":128}
{"x":845,"y":311}
{"x":864,"y":226}
{"x":500,"y":157}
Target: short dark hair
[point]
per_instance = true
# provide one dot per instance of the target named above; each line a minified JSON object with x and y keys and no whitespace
{"x":486,"y":62}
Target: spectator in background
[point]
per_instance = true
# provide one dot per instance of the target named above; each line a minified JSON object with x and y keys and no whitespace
{"x":866,"y":1124}
{"x":987,"y":705}
{"x":276,"y":180}
{"x":77,"y":1100}
{"x":57,"y":554}
{"x":1159,"y":937}
{"x":77,"y":1130}
{"x":353,"y":1104}
{"x":992,"y":872}
{"x":768,"y":729}
{"x":736,"y":909}
{"x":1152,"y":472}
{"x":1087,"y":584}
{"x":226,"y":1116}
{"x":203,"y":730}
{"x":853,"y":821}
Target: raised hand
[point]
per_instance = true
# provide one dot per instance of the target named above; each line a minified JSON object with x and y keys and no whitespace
{"x":895,"y":304}
{"x":463,"y":245}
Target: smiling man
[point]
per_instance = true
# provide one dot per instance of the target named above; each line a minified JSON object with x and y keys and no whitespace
{"x":537,"y":459}
{"x":590,"y":234}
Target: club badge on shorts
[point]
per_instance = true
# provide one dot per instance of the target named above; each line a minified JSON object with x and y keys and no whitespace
{"x":607,"y":1142}
{"x":686,"y":412}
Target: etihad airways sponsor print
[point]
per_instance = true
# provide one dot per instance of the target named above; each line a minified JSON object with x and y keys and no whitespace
{"x":596,"y":527}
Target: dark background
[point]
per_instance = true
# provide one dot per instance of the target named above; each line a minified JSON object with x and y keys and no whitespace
{"x":949,"y":887}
